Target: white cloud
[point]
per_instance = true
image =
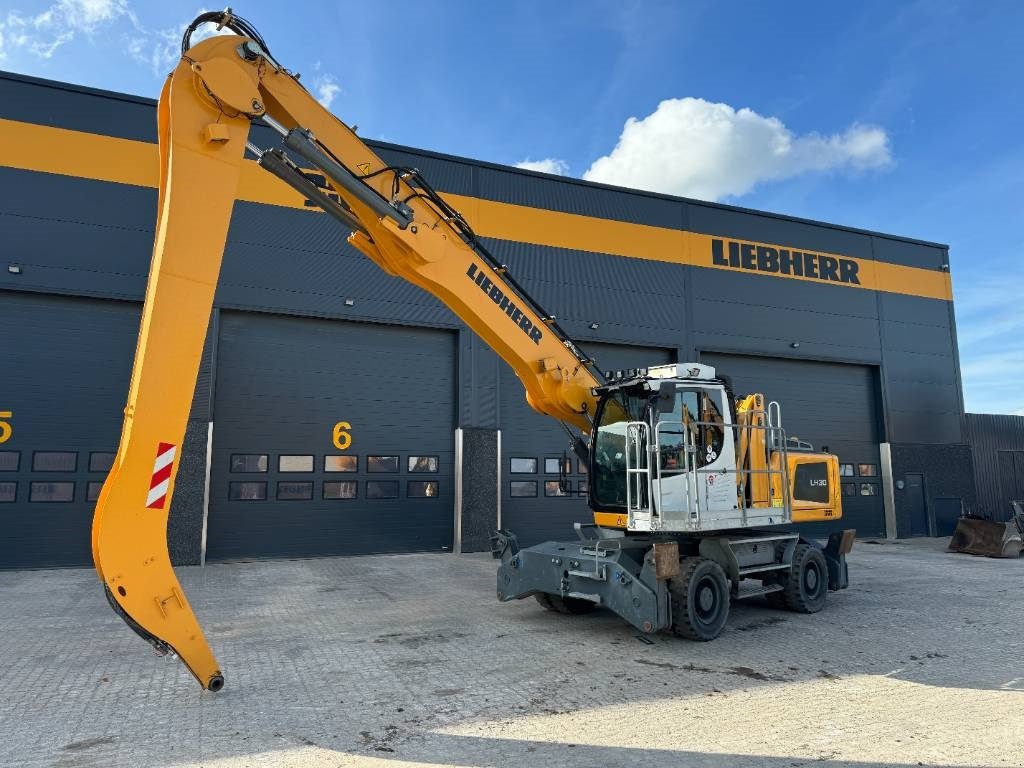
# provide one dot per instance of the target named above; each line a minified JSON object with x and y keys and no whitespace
{"x":695,"y":148}
{"x":326,"y":88}
{"x":547,"y":165}
{"x":46,"y":31}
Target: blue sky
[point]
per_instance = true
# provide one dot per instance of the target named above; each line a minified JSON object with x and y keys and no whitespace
{"x":898,"y":117}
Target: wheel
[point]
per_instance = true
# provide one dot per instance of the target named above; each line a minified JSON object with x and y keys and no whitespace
{"x":567,"y":605}
{"x":700,"y":599}
{"x":807,"y":581}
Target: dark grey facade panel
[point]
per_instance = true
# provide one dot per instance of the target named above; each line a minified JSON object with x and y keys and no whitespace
{"x":726,"y":317}
{"x":920,"y":367}
{"x":583,"y":270}
{"x":912,"y":337}
{"x":69,"y":257}
{"x":918,"y":310}
{"x":896,"y":251}
{"x":939,"y":399}
{"x":924,"y":426}
{"x":90,"y":110}
{"x":758,"y":345}
{"x":314,"y":284}
{"x":996,"y":442}
{"x":51,"y":196}
{"x":783,"y":293}
{"x":479,"y":372}
{"x":285,"y":229}
{"x":518,"y":187}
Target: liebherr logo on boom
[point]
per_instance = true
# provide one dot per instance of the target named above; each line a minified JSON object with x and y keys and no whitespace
{"x":504,"y":303}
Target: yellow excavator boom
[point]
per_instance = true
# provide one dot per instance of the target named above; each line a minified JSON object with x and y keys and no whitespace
{"x":218,"y":88}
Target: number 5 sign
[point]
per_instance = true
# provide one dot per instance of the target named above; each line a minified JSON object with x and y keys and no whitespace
{"x":342,"y":438}
{"x":6,"y":430}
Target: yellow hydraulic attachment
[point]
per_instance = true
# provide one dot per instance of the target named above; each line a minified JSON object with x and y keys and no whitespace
{"x":219,"y":87}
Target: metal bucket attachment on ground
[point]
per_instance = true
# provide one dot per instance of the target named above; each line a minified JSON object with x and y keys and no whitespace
{"x":975,"y":536}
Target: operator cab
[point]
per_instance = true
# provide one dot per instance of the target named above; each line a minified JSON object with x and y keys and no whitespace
{"x":664,"y":453}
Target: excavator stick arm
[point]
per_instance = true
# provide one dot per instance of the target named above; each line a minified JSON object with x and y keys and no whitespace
{"x":219,"y":87}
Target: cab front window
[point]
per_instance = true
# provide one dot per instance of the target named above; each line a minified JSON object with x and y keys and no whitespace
{"x":610,"y":444}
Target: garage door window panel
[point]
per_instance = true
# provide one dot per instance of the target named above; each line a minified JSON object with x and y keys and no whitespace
{"x":346,"y":489}
{"x":100,"y":461}
{"x":381,"y":463}
{"x":294,"y":463}
{"x":249,"y":462}
{"x":522,"y":466}
{"x":423,"y":464}
{"x":292,"y":491}
{"x":552,"y":488}
{"x":867,"y":470}
{"x":10,"y":461}
{"x":381,"y":489}
{"x":341,"y":463}
{"x":92,"y":490}
{"x":247,"y":491}
{"x":421,"y":489}
{"x":522,"y":489}
{"x":8,"y":492}
{"x":54,"y":461}
{"x":52,"y":492}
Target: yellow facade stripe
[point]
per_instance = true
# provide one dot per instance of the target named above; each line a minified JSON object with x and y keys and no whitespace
{"x":60,"y":151}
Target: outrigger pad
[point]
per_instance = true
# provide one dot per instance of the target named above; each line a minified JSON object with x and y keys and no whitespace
{"x":835,"y":551}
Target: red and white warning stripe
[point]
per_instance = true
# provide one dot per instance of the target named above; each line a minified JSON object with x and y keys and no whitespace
{"x":161,"y":476}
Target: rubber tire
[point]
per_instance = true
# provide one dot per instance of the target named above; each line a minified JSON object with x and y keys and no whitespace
{"x":686,"y":590}
{"x":571,"y":606}
{"x":800,"y":595}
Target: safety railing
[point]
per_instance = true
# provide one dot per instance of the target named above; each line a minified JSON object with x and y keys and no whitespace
{"x":646,"y":464}
{"x":638,"y":470}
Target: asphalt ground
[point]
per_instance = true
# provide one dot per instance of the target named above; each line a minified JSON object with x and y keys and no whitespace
{"x":408,"y":660}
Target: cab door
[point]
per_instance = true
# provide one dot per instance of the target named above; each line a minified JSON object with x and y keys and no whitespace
{"x":695,"y":483}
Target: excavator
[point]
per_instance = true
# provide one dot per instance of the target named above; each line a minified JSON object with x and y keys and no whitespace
{"x":693,"y":489}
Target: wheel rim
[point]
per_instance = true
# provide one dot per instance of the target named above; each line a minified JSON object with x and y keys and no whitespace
{"x":812,"y":580}
{"x":707,"y":600}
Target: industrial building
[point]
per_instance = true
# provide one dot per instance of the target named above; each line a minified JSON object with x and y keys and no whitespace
{"x":341,"y":411}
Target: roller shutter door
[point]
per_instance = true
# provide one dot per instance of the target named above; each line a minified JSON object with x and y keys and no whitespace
{"x":281,"y":486}
{"x":826,"y":404}
{"x":64,"y":375}
{"x":532,"y":444}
